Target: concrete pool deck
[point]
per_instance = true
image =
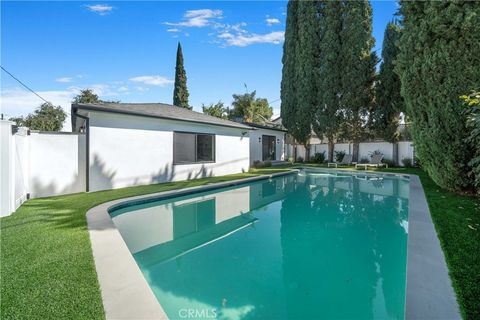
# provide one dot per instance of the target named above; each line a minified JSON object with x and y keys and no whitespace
{"x":127,"y":295}
{"x":429,"y":292}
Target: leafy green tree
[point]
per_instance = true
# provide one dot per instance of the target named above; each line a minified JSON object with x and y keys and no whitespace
{"x":329,"y":80}
{"x":180,"y":91}
{"x":439,"y":61}
{"x":389,"y":103}
{"x":216,"y":110}
{"x":88,"y":96}
{"x":246,"y":107}
{"x":46,"y":118}
{"x":358,"y":63}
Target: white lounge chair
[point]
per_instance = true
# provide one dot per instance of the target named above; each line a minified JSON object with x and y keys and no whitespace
{"x":347,"y":160}
{"x":376,"y":162}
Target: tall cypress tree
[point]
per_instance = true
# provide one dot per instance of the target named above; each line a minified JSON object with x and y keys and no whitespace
{"x":358,"y":63}
{"x":306,"y":53}
{"x":389,"y":102}
{"x":289,"y":82}
{"x":329,"y":78}
{"x":289,"y":109}
{"x":438,"y":62}
{"x":180,"y":91}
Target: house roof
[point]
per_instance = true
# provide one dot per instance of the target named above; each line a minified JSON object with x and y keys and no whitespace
{"x":269,"y":127}
{"x":155,"y":110}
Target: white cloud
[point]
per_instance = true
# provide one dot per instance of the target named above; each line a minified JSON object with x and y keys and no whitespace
{"x":225,"y":35}
{"x":101,"y":9}
{"x":64,"y":80}
{"x":197,"y":18}
{"x":243,"y":40}
{"x":19,"y":102}
{"x":272,"y":21}
{"x":123,"y":89}
{"x":152,"y":80}
{"x":142,"y":89}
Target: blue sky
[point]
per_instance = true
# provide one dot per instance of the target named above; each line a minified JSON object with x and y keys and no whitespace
{"x":126,"y":50}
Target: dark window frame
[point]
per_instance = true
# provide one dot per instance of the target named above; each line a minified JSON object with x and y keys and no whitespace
{"x":214,"y":147}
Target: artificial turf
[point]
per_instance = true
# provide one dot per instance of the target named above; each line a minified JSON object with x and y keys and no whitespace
{"x":47,"y":269}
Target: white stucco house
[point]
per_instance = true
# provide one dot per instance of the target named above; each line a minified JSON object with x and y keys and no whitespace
{"x":118,"y":145}
{"x":267,"y":143}
{"x":132,"y":144}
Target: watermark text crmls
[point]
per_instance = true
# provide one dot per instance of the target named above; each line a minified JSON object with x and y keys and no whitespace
{"x":193,"y":313}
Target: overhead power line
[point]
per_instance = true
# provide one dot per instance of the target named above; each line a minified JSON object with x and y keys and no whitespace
{"x":275,"y":100}
{"x":23,"y":84}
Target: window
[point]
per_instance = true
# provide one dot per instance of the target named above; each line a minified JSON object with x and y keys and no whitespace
{"x":192,"y":217}
{"x":193,"y":147}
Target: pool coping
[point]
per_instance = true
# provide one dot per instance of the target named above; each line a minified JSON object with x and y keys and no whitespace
{"x":127,"y":295}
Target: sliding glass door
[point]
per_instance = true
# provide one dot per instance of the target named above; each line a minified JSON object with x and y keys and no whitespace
{"x":268,"y":148}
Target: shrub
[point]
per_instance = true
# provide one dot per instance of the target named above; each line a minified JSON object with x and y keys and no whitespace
{"x":258,"y":164}
{"x":364,"y":160}
{"x":319,"y":157}
{"x":267,"y":164}
{"x":390,"y":163}
{"x":472,"y":110}
{"x":407,"y":162}
{"x":299,"y":159}
{"x":339,"y":155}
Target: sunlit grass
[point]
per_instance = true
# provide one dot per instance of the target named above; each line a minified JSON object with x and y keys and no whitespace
{"x":47,"y":268}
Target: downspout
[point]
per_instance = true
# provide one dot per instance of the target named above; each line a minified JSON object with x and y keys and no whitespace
{"x":87,"y":151}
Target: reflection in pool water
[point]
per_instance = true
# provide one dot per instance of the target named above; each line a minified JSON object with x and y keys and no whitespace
{"x":302,"y":246}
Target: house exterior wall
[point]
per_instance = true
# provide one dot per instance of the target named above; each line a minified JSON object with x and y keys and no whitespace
{"x":256,"y":144}
{"x":130,"y":150}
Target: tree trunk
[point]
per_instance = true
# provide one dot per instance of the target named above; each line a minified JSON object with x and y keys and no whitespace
{"x":307,"y":152}
{"x":395,"y":153}
{"x":356,"y":147}
{"x":331,"y":146}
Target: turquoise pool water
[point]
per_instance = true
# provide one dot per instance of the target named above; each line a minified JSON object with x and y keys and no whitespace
{"x":312,"y":245}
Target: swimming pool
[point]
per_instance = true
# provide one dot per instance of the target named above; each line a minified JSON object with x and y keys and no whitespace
{"x":313,"y":244}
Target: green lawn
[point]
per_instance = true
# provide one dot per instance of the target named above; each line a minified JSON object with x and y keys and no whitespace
{"x":47,"y":268}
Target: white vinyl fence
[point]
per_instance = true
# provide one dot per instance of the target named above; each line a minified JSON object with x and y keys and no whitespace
{"x":405,"y":150}
{"x":38,"y":164}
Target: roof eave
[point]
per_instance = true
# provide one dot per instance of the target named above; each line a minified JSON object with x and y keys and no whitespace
{"x":139,"y":114}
